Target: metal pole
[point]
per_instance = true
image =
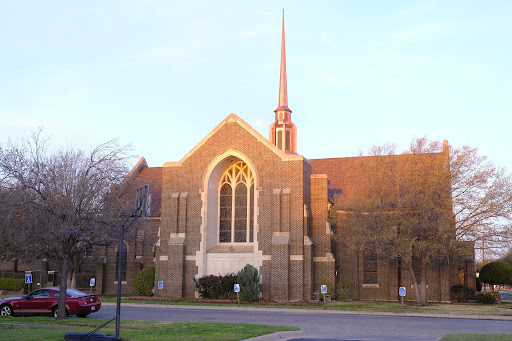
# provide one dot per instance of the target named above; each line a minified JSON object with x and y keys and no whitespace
{"x":119,"y":278}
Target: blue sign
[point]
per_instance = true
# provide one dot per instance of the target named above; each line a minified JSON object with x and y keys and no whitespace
{"x":237,"y":287}
{"x":401,"y":291}
{"x":323,"y":289}
{"x":28,"y":278}
{"x":92,"y":282}
{"x":160,"y":284}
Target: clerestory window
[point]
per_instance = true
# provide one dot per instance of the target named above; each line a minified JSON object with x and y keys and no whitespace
{"x":236,"y":205}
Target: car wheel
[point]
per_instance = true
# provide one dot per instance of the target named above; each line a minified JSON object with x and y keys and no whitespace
{"x":6,"y":310}
{"x":82,"y":315}
{"x":55,"y":312}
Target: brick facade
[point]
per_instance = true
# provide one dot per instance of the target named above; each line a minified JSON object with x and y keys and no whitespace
{"x":294,"y":246}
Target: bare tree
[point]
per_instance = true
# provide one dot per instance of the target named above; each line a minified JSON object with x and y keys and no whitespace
{"x":482,"y":200}
{"x":414,"y":207}
{"x":59,"y":203}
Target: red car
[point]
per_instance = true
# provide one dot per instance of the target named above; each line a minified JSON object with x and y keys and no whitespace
{"x":45,"y":301}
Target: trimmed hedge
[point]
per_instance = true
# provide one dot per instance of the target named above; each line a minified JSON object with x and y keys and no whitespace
{"x":485,"y":299}
{"x":496,"y":273}
{"x":216,"y":286}
{"x":12,"y":284}
{"x":462,"y":293}
{"x":144,"y":282}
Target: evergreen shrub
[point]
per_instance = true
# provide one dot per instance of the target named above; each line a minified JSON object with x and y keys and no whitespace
{"x":462,"y":293}
{"x":249,"y":281}
{"x":12,"y":284}
{"x":144,"y":282}
{"x":485,"y":299}
{"x":343,"y":291}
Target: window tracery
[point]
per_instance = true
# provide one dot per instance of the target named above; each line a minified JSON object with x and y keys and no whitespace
{"x":236,"y":205}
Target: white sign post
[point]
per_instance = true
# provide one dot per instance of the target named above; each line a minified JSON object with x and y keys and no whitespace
{"x":402,"y":291}
{"x":323,"y":290}
{"x":28,"y":280}
{"x":92,"y":282}
{"x":237,"y":290}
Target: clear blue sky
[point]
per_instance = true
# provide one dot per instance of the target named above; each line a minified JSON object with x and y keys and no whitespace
{"x":162,"y":74}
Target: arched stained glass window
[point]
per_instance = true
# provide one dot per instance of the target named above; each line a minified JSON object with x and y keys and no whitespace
{"x":236,"y":205}
{"x":225,"y":216}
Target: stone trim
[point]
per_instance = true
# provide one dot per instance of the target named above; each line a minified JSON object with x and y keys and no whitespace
{"x":297,"y":257}
{"x":308,"y":241}
{"x":281,"y":238}
{"x":328,"y":229}
{"x":329,"y":257}
{"x":164,"y":258}
{"x":375,"y":286}
{"x":176,"y":239}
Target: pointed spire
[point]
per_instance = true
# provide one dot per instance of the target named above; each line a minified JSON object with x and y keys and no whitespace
{"x":283,"y":91}
{"x":283,"y":133}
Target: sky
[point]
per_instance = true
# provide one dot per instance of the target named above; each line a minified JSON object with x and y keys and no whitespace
{"x":160,"y":75}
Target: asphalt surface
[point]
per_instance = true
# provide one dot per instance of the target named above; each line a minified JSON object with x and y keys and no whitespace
{"x":320,"y":324}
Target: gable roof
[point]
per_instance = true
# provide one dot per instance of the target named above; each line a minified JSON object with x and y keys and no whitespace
{"x":141,"y":175}
{"x":233,"y":118}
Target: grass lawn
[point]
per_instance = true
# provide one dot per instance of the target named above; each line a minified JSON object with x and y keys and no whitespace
{"x":476,"y":337}
{"x":502,"y":309}
{"x":47,"y":328}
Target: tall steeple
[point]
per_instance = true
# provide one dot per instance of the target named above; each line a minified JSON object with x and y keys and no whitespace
{"x":283,"y":133}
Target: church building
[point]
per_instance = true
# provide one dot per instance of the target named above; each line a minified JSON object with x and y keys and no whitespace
{"x":240,"y":198}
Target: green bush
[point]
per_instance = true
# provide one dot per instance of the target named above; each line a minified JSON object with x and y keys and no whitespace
{"x":485,"y":299}
{"x":227,"y":285}
{"x":249,"y":281}
{"x":496,"y":273}
{"x":216,"y":286}
{"x":343,"y":291}
{"x":144,"y":282}
{"x":462,"y":293}
{"x":12,"y":284}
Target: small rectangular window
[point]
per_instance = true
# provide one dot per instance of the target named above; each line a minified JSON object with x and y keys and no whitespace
{"x":370,"y":265}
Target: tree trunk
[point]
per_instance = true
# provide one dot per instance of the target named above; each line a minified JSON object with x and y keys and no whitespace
{"x":63,"y":287}
{"x":410,"y":269}
{"x":73,"y":278}
{"x":70,"y":270}
{"x":423,"y":283}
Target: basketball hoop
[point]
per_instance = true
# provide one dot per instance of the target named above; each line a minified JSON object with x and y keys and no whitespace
{"x":143,"y":201}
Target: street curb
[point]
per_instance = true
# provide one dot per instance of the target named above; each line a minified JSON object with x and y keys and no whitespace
{"x":278,"y":336}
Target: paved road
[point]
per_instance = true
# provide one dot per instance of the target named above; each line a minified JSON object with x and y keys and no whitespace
{"x":506,"y":296}
{"x":325,"y":325}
